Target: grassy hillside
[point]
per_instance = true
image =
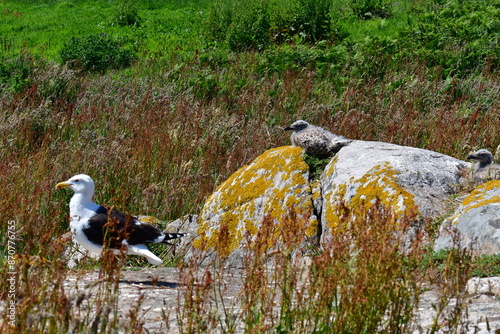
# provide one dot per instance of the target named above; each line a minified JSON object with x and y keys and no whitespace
{"x":160,"y":101}
{"x":43,"y":27}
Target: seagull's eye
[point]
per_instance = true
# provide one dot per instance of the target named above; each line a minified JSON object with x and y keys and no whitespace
{"x":77,"y":180}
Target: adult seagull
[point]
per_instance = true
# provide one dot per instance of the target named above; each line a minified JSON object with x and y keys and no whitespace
{"x":88,"y":224}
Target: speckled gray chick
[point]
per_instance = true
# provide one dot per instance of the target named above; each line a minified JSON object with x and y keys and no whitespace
{"x":316,"y":140}
{"x":484,"y":169}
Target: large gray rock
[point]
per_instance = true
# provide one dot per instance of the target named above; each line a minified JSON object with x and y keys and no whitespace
{"x":268,"y":188}
{"x":406,"y":179}
{"x":477,"y":222}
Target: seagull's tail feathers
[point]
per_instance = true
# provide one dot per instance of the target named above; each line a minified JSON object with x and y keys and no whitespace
{"x":337,"y":143}
{"x":170,"y":236}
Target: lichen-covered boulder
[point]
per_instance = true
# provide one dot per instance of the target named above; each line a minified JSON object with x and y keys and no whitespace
{"x":477,"y":222}
{"x":406,"y":179}
{"x":274,"y":183}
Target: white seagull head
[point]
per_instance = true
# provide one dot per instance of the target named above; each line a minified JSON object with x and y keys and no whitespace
{"x":80,"y":184}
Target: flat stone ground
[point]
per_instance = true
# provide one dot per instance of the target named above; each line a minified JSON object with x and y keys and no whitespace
{"x":163,"y":292}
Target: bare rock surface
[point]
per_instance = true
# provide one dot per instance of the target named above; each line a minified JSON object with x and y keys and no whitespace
{"x":480,"y":314}
{"x":158,"y":292}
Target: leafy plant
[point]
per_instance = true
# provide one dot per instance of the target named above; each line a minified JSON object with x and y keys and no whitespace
{"x":369,"y":9}
{"x":95,"y":53}
{"x":486,"y":266}
{"x":313,"y":20}
{"x":249,"y":27}
{"x":306,"y":21}
{"x":260,"y":22}
{"x":316,"y":165}
{"x":127,"y":14}
{"x":14,"y":73}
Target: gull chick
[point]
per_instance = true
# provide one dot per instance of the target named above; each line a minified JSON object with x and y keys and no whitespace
{"x":316,"y":140}
{"x":484,"y":169}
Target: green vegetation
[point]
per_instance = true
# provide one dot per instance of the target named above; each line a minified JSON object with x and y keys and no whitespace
{"x":481,"y":266}
{"x":14,"y":74}
{"x":316,"y":165}
{"x":486,"y":266}
{"x":169,"y":98}
{"x":94,"y":54}
{"x":127,"y":14}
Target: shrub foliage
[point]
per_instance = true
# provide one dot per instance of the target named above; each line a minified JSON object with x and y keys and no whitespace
{"x":15,"y":73}
{"x":95,"y":53}
{"x":259,"y":23}
{"x":127,"y":14}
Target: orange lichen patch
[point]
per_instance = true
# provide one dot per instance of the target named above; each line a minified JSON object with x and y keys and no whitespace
{"x":378,"y":183}
{"x":477,"y":198}
{"x":272,"y":183}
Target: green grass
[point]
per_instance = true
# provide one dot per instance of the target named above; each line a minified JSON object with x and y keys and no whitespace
{"x":486,"y":266}
{"x":43,"y":27}
{"x":444,"y":34}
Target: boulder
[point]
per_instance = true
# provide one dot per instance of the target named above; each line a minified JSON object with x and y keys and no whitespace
{"x":408,"y":180}
{"x":476,"y":222}
{"x":268,"y":188}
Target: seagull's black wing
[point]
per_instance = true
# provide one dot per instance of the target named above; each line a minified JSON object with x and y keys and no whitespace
{"x":119,"y":226}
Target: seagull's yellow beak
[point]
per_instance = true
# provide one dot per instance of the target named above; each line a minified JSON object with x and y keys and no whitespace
{"x":62,"y":185}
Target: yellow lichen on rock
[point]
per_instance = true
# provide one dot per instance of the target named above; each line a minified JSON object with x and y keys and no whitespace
{"x":312,"y":227}
{"x":272,"y":184}
{"x":150,"y":220}
{"x":379,"y":183}
{"x":334,"y":210}
{"x":477,"y":198}
{"x":316,"y":185}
